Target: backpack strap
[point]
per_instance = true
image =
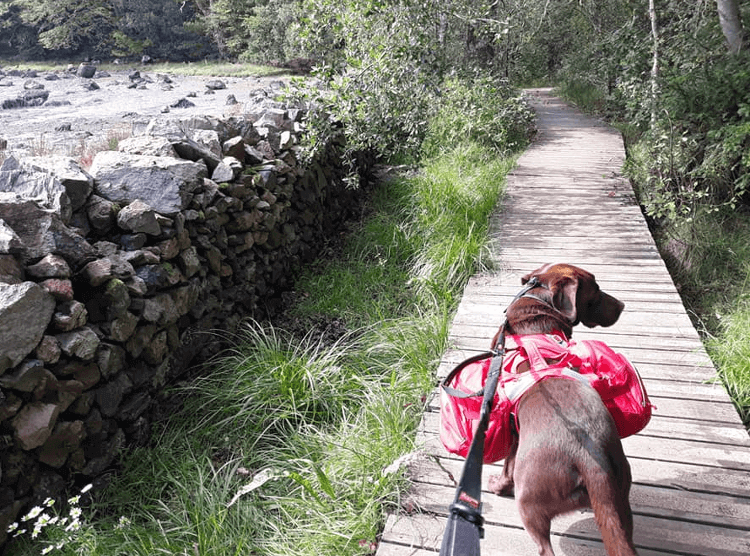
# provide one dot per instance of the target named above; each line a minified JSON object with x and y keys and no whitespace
{"x":458,"y":368}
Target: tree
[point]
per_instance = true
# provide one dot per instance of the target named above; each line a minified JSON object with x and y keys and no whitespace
{"x":69,"y":24}
{"x":731,"y":24}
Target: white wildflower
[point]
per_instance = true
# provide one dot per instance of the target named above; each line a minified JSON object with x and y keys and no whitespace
{"x":35,"y":511}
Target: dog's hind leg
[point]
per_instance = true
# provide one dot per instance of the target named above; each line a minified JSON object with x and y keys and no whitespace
{"x":537,"y":524}
{"x":611,"y":505}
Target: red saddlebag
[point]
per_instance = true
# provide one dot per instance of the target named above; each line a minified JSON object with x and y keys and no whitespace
{"x":608,"y":372}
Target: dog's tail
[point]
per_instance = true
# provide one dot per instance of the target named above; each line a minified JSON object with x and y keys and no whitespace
{"x":609,"y":492}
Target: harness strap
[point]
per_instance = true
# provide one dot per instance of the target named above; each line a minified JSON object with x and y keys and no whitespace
{"x":519,"y":385}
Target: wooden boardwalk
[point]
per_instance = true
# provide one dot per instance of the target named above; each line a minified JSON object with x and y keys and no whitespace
{"x":567,"y":202}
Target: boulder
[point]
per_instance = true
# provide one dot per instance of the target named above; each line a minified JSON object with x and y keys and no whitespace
{"x":37,"y":185}
{"x":76,"y":182}
{"x":25,"y":303}
{"x":86,"y":71}
{"x":138,"y":217}
{"x":81,"y":343}
{"x":33,"y":425}
{"x":166,"y":184}
{"x":43,"y":232}
{"x":51,"y":266}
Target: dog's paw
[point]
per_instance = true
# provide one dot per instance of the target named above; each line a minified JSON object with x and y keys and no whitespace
{"x":500,"y":485}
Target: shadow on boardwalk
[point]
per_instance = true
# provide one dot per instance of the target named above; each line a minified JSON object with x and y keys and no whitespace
{"x":567,"y":202}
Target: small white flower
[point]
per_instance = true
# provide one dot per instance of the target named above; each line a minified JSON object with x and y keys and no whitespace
{"x":74,"y":526}
{"x":35,"y":511}
{"x":87,"y":488}
{"x":49,"y":502}
{"x":73,"y":501}
{"x":12,"y":527}
{"x":47,"y":549}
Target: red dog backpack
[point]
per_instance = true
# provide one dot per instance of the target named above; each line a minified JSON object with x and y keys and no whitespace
{"x":609,"y":373}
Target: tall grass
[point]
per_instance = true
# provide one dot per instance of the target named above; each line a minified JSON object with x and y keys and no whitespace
{"x":709,"y":258}
{"x":202,"y":68}
{"x":285,"y":445}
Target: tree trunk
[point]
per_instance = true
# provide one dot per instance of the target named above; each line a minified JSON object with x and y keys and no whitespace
{"x":731,"y":24}
{"x":655,"y":62}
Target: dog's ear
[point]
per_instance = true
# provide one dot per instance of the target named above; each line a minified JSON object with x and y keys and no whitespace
{"x":564,"y":293}
{"x":538,"y":272}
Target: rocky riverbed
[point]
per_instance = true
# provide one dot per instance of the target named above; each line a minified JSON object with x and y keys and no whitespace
{"x":62,"y":112}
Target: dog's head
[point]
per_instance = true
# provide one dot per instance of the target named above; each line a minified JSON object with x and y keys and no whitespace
{"x":568,"y":292}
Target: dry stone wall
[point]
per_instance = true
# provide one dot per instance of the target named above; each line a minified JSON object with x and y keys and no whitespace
{"x":109,"y":278}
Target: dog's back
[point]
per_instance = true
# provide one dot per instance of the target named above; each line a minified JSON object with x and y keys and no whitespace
{"x":570,"y":457}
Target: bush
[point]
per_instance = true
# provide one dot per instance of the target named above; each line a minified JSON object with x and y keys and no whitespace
{"x":483,"y":110}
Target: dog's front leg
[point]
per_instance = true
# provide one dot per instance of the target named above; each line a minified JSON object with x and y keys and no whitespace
{"x":502,"y":484}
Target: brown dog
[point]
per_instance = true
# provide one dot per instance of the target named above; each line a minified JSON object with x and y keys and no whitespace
{"x":567,"y":454}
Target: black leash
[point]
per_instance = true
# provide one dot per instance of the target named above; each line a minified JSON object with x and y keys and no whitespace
{"x":465,"y":522}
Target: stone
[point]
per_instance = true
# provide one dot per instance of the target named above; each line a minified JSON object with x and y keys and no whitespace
{"x":216,"y":84}
{"x":26,"y":377}
{"x":140,"y":339}
{"x":160,"y":309}
{"x":86,"y":71}
{"x":109,"y":395}
{"x":43,"y":232}
{"x":234,"y":147}
{"x":65,"y":439}
{"x":34,"y":185}
{"x":133,"y":242}
{"x":55,"y":181}
{"x":111,"y":358}
{"x":11,"y":271}
{"x":51,"y":266}
{"x":121,"y":328}
{"x":189,"y":262}
{"x":116,"y":299}
{"x":97,"y":272}
{"x":147,"y":145}
{"x":223,"y":173}
{"x":61,"y":290}
{"x":101,"y":213}
{"x":155,"y":276}
{"x":169,"y":248}
{"x":165,"y":184}
{"x":9,"y":405}
{"x":25,"y":303}
{"x":182,"y":103}
{"x":87,"y":374}
{"x":33,"y":424}
{"x":48,"y":350}
{"x":190,"y":149}
{"x":96,"y":465}
{"x":156,"y":350}
{"x":10,"y":243}
{"x":34,"y":97}
{"x":81,"y":343}
{"x":138,"y":217}
{"x":70,"y":315}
